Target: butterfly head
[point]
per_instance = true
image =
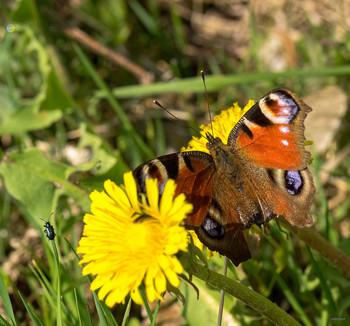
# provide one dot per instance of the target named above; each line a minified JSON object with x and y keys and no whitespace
{"x":218,"y":150}
{"x":212,"y":142}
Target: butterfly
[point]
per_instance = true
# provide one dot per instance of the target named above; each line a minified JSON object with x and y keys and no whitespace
{"x":259,"y":175}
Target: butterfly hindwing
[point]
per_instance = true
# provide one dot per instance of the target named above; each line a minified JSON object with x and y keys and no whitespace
{"x":195,"y":176}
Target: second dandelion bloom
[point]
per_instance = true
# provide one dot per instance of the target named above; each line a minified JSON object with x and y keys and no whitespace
{"x":129,"y":240}
{"x":221,"y":127}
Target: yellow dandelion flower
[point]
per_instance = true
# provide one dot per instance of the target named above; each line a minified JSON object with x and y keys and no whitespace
{"x":199,"y":244}
{"x":127,"y":242}
{"x":221,"y":125}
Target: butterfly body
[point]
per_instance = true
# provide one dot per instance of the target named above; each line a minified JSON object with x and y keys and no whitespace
{"x":258,"y":175}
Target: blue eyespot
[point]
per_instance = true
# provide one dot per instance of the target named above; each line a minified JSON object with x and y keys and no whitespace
{"x":294,"y":182}
{"x":213,"y":228}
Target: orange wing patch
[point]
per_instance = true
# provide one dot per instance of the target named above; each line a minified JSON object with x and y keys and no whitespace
{"x":276,"y":146}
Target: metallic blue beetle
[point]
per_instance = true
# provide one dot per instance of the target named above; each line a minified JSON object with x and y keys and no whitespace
{"x":49,"y":230}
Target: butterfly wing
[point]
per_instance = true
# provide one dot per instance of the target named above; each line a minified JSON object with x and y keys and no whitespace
{"x":193,"y":173}
{"x":271,"y":133}
{"x":269,"y":138}
{"x":195,"y":176}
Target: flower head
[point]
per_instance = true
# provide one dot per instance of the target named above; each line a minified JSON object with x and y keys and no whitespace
{"x":221,"y":127}
{"x":127,"y":241}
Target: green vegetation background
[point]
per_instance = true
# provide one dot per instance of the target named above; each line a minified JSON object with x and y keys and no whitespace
{"x":77,"y":83}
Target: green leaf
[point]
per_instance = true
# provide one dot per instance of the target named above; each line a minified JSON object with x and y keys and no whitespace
{"x":7,"y":106}
{"x":280,"y":258}
{"x":48,"y":98}
{"x":100,"y":155}
{"x":37,"y":182}
{"x":56,"y":97}
{"x":26,"y":12}
{"x":26,"y":119}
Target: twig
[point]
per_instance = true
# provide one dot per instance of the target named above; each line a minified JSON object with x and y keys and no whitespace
{"x":143,"y":76}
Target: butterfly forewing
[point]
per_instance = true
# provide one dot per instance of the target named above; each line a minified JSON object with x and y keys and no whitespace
{"x":271,"y":133}
{"x":193,"y":173}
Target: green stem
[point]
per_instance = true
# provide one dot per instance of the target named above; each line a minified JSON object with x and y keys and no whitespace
{"x":145,"y":302}
{"x":253,"y":299}
{"x":326,"y":249}
{"x":222,"y":295}
{"x":156,"y":310}
{"x":58,"y":297}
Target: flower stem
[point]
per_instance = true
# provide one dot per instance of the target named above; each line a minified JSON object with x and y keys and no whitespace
{"x":253,"y":299}
{"x":145,"y":302}
{"x":156,"y":310}
{"x":326,"y":249}
{"x":222,"y":296}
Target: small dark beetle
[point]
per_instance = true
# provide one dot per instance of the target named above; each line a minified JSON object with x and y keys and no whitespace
{"x":49,"y":230}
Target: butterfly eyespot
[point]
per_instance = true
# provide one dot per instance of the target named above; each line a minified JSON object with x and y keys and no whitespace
{"x":270,"y":102}
{"x":213,"y":228}
{"x":294,"y":182}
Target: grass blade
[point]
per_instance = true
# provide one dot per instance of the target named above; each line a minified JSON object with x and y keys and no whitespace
{"x":218,"y":82}
{"x":77,"y":306}
{"x":30,"y":311}
{"x":127,"y":313}
{"x":291,"y":298}
{"x":323,"y":281}
{"x":6,"y":300}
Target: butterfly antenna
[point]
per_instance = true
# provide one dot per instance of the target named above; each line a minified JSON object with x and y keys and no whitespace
{"x":207,"y":96}
{"x":175,"y":117}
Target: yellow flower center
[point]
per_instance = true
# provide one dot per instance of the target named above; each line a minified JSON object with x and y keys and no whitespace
{"x":145,"y":238}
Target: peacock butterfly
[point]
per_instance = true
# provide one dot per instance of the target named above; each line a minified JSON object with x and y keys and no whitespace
{"x":260,"y":174}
